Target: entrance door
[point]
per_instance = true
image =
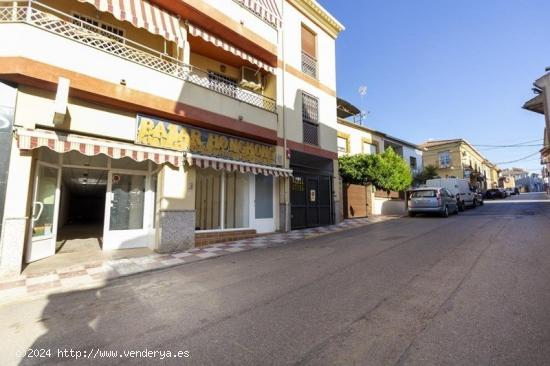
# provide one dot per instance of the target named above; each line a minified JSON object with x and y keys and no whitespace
{"x":311,"y":200}
{"x":262,"y":203}
{"x":125,"y":219}
{"x":43,"y":226}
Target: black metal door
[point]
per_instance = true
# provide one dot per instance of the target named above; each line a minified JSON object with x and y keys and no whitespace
{"x":311,"y":200}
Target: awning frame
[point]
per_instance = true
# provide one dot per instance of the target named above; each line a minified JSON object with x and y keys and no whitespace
{"x":90,"y":146}
{"x":203,"y":161}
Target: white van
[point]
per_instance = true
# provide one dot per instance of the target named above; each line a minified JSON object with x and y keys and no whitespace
{"x":461,"y":188}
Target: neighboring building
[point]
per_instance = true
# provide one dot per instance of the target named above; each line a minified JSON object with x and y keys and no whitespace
{"x":540,"y":104}
{"x":355,"y":138}
{"x":459,"y":159}
{"x":164,"y":124}
{"x":524,"y":181}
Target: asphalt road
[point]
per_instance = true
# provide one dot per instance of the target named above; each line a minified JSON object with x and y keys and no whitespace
{"x":472,"y":289}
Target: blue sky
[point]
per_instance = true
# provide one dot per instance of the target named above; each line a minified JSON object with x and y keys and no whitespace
{"x":446,"y":69}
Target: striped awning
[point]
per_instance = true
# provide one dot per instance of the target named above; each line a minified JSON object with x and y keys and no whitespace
{"x":201,"y":161}
{"x":143,"y":14}
{"x":198,"y":32}
{"x":62,"y":143}
{"x":268,"y":10}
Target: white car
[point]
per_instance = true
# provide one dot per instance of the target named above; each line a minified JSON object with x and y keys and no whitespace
{"x":460,"y":188}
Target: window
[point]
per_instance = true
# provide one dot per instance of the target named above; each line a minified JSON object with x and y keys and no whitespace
{"x":342,"y":144}
{"x":310,"y":117}
{"x":444,"y":159}
{"x":369,"y":148}
{"x":222,"y":84}
{"x":309,"y":52}
{"x":110,"y":31}
{"x":221,"y":200}
{"x":412,"y":162}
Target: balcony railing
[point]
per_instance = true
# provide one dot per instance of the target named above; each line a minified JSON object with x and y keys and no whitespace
{"x":309,"y":65}
{"x":54,"y":21}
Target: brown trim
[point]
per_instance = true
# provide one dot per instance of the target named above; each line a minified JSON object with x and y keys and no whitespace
{"x":308,"y":149}
{"x":308,"y":79}
{"x":37,"y":74}
{"x":215,"y":21}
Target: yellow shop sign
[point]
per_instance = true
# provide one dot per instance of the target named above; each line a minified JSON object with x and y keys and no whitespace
{"x":168,"y":135}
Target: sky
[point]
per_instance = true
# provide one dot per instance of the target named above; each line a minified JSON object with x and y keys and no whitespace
{"x":441,"y":69}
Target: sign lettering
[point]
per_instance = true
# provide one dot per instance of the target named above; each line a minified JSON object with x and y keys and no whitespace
{"x":167,"y":135}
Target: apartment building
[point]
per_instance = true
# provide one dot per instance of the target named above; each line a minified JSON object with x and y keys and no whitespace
{"x":162,"y":124}
{"x":539,"y":104}
{"x":459,"y":159}
{"x":355,"y":138}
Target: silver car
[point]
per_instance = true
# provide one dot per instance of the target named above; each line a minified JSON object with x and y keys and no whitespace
{"x":432,"y":200}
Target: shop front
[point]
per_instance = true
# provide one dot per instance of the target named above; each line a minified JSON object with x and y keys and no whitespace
{"x":90,"y":194}
{"x":235,"y":179}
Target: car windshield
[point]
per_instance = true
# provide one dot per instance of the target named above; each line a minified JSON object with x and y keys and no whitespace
{"x":418,"y":194}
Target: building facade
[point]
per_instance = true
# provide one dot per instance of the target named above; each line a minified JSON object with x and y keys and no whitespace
{"x":355,"y":138}
{"x":459,"y":159}
{"x":159,"y":124}
{"x":540,"y":104}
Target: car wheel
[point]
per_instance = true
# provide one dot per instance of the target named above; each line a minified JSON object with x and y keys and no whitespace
{"x":445,"y":212}
{"x":412,"y":214}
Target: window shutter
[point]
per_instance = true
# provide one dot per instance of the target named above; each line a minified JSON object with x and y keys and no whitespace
{"x":308,"y":42}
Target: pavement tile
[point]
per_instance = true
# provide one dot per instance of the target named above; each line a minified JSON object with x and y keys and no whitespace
{"x":207,"y":255}
{"x":182,"y":255}
{"x":64,"y":275}
{"x":236,"y":249}
{"x":43,"y":286}
{"x":31,"y":281}
{"x":173,"y":261}
{"x":11,"y":284}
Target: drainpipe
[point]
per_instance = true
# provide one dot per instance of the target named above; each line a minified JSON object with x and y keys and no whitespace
{"x":283,"y":119}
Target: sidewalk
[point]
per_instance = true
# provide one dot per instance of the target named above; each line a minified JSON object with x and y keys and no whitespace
{"x":96,"y":274}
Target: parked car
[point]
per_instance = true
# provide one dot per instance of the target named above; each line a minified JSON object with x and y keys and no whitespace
{"x":432,"y":200}
{"x":494,"y":193}
{"x":479,"y":196}
{"x":460,"y":188}
{"x":510,"y":192}
{"x":506,"y":193}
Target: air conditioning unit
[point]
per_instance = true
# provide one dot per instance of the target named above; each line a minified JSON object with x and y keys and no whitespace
{"x":250,"y":78}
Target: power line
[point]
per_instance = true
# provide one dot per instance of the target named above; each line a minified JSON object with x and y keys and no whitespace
{"x":519,"y":144}
{"x":520,"y":159}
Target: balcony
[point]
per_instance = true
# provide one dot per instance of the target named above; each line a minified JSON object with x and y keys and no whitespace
{"x":309,"y":65}
{"x":53,"y":21}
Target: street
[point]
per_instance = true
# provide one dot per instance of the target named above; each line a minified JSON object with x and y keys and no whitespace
{"x":471,"y":289}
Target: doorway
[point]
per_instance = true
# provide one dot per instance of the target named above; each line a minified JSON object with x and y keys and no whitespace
{"x":81,"y":210}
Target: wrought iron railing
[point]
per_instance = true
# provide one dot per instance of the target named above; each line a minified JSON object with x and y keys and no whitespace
{"x":311,"y":133}
{"x":309,"y":65}
{"x":54,"y":21}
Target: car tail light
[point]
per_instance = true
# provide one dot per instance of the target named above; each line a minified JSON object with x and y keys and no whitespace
{"x":438,"y":196}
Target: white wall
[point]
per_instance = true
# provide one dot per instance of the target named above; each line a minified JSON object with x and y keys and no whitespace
{"x":293,"y":85}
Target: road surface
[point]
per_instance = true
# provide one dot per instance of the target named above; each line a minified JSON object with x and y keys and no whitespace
{"x":472,"y":289}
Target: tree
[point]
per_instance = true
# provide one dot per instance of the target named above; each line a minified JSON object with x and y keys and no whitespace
{"x":390,"y":172}
{"x":387,"y":171}
{"x":429,"y":172}
{"x":354,"y":168}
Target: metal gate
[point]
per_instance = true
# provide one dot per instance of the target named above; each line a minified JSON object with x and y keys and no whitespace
{"x":311,"y":200}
